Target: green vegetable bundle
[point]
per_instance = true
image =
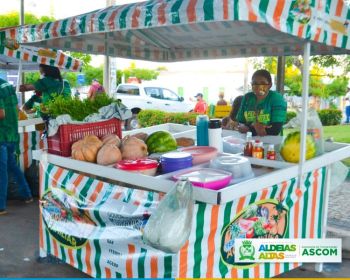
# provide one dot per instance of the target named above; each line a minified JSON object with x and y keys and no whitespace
{"x":76,"y":108}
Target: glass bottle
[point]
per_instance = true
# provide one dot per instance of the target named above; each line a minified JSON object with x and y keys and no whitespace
{"x":248,"y":148}
{"x":271,"y":153}
{"x":258,"y":150}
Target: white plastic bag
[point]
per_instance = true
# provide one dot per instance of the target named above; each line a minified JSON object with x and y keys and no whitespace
{"x":169,"y":226}
{"x":339,"y":172}
{"x":314,"y":128}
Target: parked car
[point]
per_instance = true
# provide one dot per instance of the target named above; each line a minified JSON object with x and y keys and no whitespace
{"x":138,"y":97}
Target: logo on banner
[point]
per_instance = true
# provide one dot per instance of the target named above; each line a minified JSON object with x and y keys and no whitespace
{"x":302,"y":11}
{"x":11,"y":44}
{"x":288,"y":250}
{"x":263,"y":219}
{"x":246,"y":250}
{"x":66,"y":218}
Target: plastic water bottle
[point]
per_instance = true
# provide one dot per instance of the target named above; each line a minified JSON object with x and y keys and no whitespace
{"x":215,"y":134}
{"x":202,"y":130}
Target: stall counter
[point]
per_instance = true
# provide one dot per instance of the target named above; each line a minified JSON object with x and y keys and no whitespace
{"x":92,"y":218}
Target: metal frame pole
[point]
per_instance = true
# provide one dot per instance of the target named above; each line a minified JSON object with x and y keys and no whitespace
{"x":305,"y":102}
{"x":281,"y":63}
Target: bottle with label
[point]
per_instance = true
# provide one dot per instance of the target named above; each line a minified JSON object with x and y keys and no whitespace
{"x":215,"y":134}
{"x":248,"y":148}
{"x":271,"y":153}
{"x":258,"y":149}
{"x":202,"y":122}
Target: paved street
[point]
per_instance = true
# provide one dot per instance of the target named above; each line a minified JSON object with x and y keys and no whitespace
{"x":19,"y":243}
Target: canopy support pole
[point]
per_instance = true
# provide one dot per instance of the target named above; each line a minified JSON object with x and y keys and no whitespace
{"x":20,"y":77}
{"x":304,"y":108}
{"x":106,"y":69}
{"x":281,"y":63}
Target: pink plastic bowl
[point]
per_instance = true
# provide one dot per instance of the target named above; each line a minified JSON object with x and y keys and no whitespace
{"x":200,"y":154}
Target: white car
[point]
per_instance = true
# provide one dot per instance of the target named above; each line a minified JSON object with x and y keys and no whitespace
{"x":138,"y":97}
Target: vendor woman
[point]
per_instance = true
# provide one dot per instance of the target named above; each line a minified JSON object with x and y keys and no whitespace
{"x":50,"y":83}
{"x":262,"y":111}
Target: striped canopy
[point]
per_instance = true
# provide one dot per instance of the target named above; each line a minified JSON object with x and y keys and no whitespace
{"x":177,"y":30}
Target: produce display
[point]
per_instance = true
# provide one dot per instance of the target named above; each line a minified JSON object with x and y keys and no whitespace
{"x":290,"y":148}
{"x":76,"y":108}
{"x":87,"y":148}
{"x":161,"y":142}
{"x":133,"y":148}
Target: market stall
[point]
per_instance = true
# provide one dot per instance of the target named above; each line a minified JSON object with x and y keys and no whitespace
{"x":92,"y":216}
{"x":27,"y":58}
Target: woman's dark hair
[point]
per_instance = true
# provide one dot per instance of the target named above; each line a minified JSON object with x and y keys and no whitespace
{"x":235,"y":107}
{"x":263,"y":73}
{"x":51,"y":71}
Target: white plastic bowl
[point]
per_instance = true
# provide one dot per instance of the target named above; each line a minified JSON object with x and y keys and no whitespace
{"x":233,"y":145}
{"x":239,"y":166}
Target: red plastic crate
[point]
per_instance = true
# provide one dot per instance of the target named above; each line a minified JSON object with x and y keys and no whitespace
{"x":61,"y":143}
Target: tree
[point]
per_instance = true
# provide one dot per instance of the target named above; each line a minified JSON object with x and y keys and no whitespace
{"x":12,"y":19}
{"x":293,"y":74}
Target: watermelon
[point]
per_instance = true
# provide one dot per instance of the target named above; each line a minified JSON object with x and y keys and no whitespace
{"x":290,"y":149}
{"x":160,"y":142}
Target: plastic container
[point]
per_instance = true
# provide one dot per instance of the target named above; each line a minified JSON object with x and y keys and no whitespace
{"x":202,"y":130}
{"x":143,"y":166}
{"x":233,"y":145}
{"x":200,"y":154}
{"x":61,"y":143}
{"x":215,"y":134}
{"x":238,"y":166}
{"x":175,"y":161}
{"x":206,"y":178}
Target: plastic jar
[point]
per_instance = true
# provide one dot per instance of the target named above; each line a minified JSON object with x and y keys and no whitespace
{"x":258,"y":150}
{"x":175,"y":161}
{"x":215,"y":134}
{"x":143,"y":166}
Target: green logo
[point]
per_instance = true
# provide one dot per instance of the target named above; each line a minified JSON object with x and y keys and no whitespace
{"x":246,"y":251}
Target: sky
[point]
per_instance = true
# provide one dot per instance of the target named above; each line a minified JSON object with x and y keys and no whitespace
{"x":61,"y":9}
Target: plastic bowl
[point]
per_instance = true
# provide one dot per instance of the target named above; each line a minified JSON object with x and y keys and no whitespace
{"x":143,"y":166}
{"x":238,"y":166}
{"x":200,"y":154}
{"x":207,"y":178}
{"x":233,"y":145}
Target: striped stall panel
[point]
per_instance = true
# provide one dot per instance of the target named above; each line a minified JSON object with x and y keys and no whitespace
{"x":29,"y":142}
{"x":95,"y":227}
{"x":43,"y":56}
{"x":186,"y":30}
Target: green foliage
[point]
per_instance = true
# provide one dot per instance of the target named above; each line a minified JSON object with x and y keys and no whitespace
{"x":153,"y":117}
{"x":76,"y":108}
{"x":337,"y":87}
{"x":86,"y":58}
{"x":330,"y":117}
{"x":12,"y":19}
{"x":93,"y":73}
{"x":290,"y":115}
{"x":141,"y":73}
{"x":31,"y":77}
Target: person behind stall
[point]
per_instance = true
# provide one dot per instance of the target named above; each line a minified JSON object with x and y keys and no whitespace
{"x":230,"y":122}
{"x":8,"y":141}
{"x":49,"y":84}
{"x":221,"y":100}
{"x":201,"y":106}
{"x":262,"y":111}
{"x":95,"y":89}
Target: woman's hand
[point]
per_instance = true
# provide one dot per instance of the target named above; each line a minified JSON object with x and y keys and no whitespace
{"x":243,"y":128}
{"x":260,"y":129}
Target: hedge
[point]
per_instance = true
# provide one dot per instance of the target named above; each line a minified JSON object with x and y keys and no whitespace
{"x":153,"y":117}
{"x":330,"y":116}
